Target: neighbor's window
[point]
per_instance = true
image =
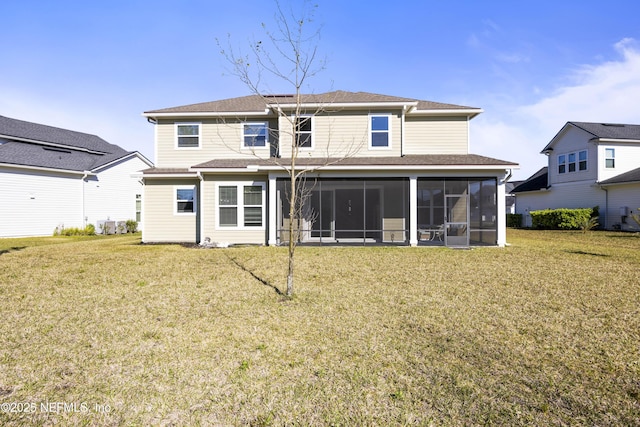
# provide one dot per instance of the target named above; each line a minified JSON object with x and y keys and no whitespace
{"x":582,"y":160}
{"x":380,"y":131}
{"x":610,"y":158}
{"x":562,"y":163}
{"x":185,"y":200}
{"x":572,"y":162}
{"x":304,"y":132}
{"x":188,"y":135}
{"x":255,"y":135}
{"x":138,"y":207}
{"x":244,"y":211}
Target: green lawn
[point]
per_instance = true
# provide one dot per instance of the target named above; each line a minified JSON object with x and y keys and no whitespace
{"x":105,"y":331}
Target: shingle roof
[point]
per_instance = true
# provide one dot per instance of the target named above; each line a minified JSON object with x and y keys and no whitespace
{"x":33,"y":144}
{"x":409,"y":160}
{"x":255,"y":103}
{"x":537,"y":181}
{"x":610,"y":130}
{"x":631,"y":176}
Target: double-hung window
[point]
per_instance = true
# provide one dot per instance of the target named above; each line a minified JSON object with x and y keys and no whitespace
{"x":241,"y":205}
{"x":255,"y":135}
{"x":303,"y":130}
{"x":572,"y":162}
{"x":582,"y":160}
{"x":185,"y":200}
{"x":380,"y":136}
{"x":188,"y":135}
{"x":610,"y":158}
{"x":562,"y":163}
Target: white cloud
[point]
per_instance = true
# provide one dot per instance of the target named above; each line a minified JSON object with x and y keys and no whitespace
{"x":605,"y":92}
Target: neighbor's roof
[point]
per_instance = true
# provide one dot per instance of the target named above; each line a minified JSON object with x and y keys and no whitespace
{"x":32,"y":144}
{"x":536,"y":182}
{"x":602,"y":131}
{"x":623,"y":178}
{"x":258,"y":103}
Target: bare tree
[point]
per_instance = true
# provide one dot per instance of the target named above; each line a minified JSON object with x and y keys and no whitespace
{"x":288,"y":55}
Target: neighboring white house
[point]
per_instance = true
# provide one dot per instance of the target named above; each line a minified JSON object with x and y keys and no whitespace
{"x":589,"y":164}
{"x":382,"y":170}
{"x":51,"y":177}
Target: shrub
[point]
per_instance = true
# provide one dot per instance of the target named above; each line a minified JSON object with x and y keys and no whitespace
{"x":132,"y":226}
{"x":89,"y":230}
{"x":514,"y":220}
{"x":561,"y":219}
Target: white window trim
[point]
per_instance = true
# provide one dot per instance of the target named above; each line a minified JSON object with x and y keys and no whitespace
{"x":253,"y":148}
{"x":586,"y":159}
{"x":240,"y":206}
{"x":371,"y":131}
{"x":175,"y":199}
{"x":313,"y":130}
{"x":175,"y":133}
{"x":606,"y":157}
{"x":568,"y":162}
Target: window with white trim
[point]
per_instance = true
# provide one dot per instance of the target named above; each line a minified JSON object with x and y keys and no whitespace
{"x":572,"y":162}
{"x":255,"y":135}
{"x":185,"y":200}
{"x":380,"y":127}
{"x":241,"y":205}
{"x":582,"y":160}
{"x":610,"y":158}
{"x":303,"y":130}
{"x":188,"y":135}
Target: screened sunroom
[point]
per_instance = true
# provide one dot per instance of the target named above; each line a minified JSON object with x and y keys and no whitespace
{"x":355,"y":211}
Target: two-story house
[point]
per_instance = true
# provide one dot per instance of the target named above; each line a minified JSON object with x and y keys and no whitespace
{"x":589,"y":164}
{"x":381,"y":170}
{"x":52,"y":177}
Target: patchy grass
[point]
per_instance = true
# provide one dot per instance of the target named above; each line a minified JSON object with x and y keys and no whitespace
{"x":543,"y":332}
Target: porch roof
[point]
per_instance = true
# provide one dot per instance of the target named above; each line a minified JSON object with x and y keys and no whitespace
{"x":408,"y":161}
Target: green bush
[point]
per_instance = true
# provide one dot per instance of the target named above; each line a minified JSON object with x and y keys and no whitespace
{"x":132,"y":226}
{"x":514,"y":220}
{"x":561,"y":219}
{"x":89,"y":230}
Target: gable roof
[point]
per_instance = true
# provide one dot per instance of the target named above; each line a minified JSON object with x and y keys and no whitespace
{"x":32,"y":144}
{"x":600,"y":131}
{"x":258,"y":104}
{"x":536,"y":182}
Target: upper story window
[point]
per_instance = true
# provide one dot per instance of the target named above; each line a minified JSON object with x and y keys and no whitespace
{"x":610,"y":158}
{"x":380,"y":136}
{"x":255,"y":135}
{"x":303,"y":130}
{"x":572,"y":162}
{"x":185,"y":200}
{"x":188,"y":135}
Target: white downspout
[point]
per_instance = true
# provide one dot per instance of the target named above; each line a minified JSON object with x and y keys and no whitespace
{"x":84,"y":209}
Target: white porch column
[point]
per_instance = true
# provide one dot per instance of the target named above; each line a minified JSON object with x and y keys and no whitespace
{"x":272,"y":222}
{"x":501,"y":211}
{"x":413,"y":211}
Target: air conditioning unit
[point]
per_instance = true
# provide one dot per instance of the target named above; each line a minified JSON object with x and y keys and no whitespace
{"x":624,"y":210}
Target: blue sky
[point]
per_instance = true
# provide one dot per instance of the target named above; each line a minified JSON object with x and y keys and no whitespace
{"x":530,"y":65}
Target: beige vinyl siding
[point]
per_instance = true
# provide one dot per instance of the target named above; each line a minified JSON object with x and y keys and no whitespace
{"x":220,"y":139}
{"x":162,"y":224}
{"x":209,"y":211}
{"x":340,"y":134}
{"x":436,"y":135}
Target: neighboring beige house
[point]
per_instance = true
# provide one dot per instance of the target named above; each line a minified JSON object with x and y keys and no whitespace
{"x":383,"y":170}
{"x":589,"y":164}
{"x":52,"y":177}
